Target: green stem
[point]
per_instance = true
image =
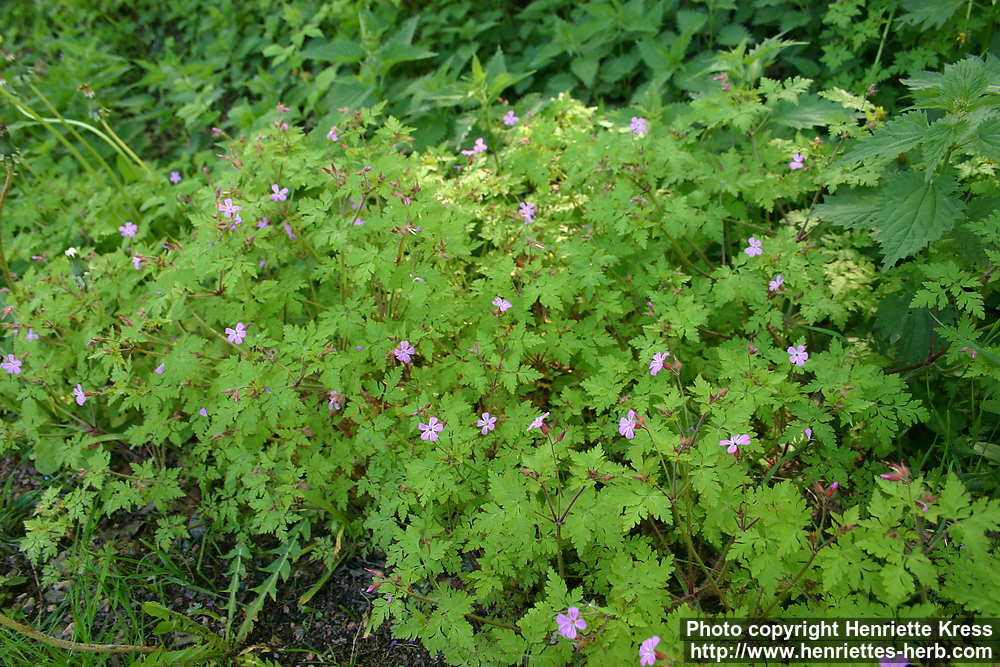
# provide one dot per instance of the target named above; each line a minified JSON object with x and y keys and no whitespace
{"x":3,"y":255}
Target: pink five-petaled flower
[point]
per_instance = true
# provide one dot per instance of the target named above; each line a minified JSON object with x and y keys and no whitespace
{"x":228,"y":208}
{"x":11,"y":364}
{"x":404,"y":351}
{"x":137,"y":262}
{"x":626,"y":425}
{"x":203,"y":412}
{"x":900,"y":473}
{"x":501,"y":303}
{"x":798,"y":355}
{"x":478,"y":147}
{"x":334,"y":401}
{"x":798,"y":161}
{"x":570,"y":622}
{"x":732,"y":446}
{"x":647,"y":651}
{"x":656,"y":365}
{"x":775,"y":285}
{"x":279,"y":193}
{"x":236,"y":335}
{"x":754,"y":248}
{"x":31,"y":335}
{"x":639,"y":126}
{"x":288,"y":230}
{"x":509,"y":119}
{"x":487,"y":423}
{"x":332,"y":134}
{"x":128,"y":229}
{"x":431,"y":429}
{"x":159,"y":369}
{"x":538,"y":423}
{"x":81,"y":396}
{"x":175,"y":177}
{"x":527,"y":211}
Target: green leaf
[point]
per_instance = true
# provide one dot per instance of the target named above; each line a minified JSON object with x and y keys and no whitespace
{"x":854,"y":209}
{"x":914,"y":213}
{"x":585,"y":68}
{"x":928,"y":14}
{"x":939,"y":139}
{"x":335,"y":51}
{"x":810,"y":111}
{"x":895,"y":137}
{"x":986,"y":140}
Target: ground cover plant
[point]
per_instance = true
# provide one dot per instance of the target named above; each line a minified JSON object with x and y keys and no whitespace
{"x":593,"y":371}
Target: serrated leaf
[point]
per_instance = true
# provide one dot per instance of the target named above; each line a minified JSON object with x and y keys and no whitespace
{"x":928,"y":14}
{"x":585,"y":69}
{"x":987,"y":139}
{"x":914,"y":213}
{"x":810,"y":111}
{"x":335,"y":51}
{"x":897,"y":136}
{"x":854,"y":209}
{"x":941,"y":136}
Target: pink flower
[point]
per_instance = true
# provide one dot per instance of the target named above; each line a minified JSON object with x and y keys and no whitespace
{"x":263,"y":223}
{"x":900,"y":473}
{"x":203,"y":412}
{"x":626,"y":425}
{"x":334,"y":401}
{"x":11,"y":364}
{"x":487,"y":423}
{"x":237,"y":335}
{"x":175,"y":177}
{"x":639,"y":126}
{"x":31,"y":335}
{"x":404,"y":351}
{"x":809,"y":433}
{"x":656,"y":365}
{"x":288,"y":230}
{"x":570,"y":622}
{"x":754,"y":248}
{"x":228,"y":208}
{"x":431,"y":429}
{"x":797,"y":162}
{"x":478,"y":147}
{"x":538,"y":423}
{"x":278,"y":194}
{"x":798,"y":355}
{"x":501,"y":303}
{"x":137,"y":262}
{"x":128,"y":229}
{"x":527,"y":212}
{"x":81,"y":396}
{"x":775,"y":285}
{"x":509,"y":119}
{"x":732,"y":446}
{"x":647,"y":652}
{"x":159,"y":369}
{"x":332,"y":134}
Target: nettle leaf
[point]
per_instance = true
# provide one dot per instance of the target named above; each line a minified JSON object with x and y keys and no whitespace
{"x":928,"y":14}
{"x":895,"y":137}
{"x":913,"y":213}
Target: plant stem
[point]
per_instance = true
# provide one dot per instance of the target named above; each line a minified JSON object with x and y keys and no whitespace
{"x":3,"y":255}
